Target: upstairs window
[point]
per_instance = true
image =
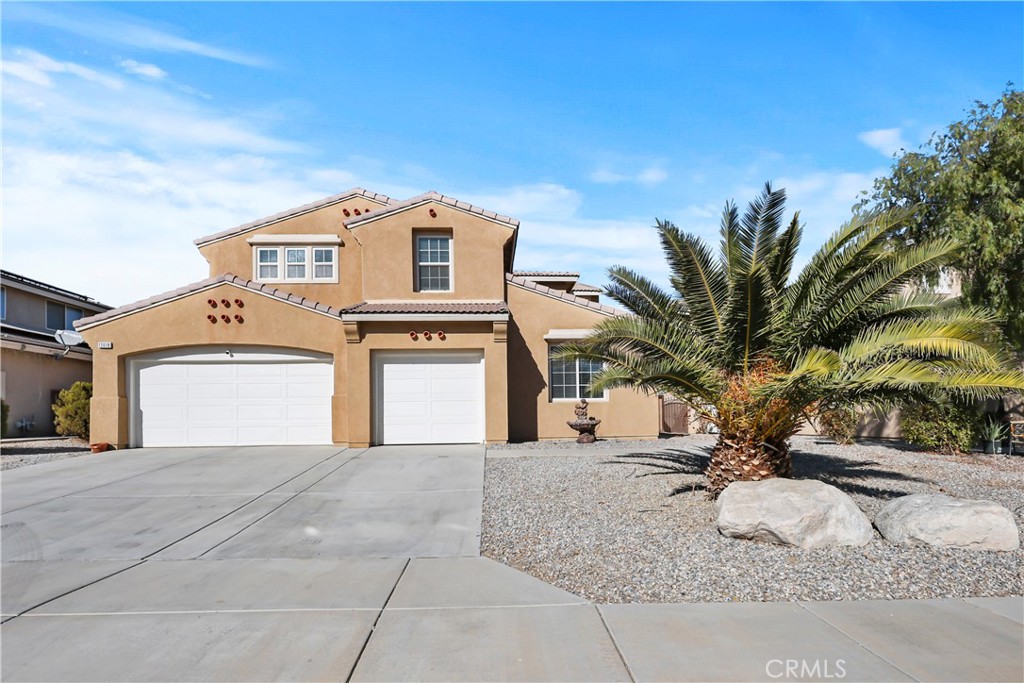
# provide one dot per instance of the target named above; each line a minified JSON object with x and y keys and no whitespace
{"x":434,"y":263}
{"x":3,"y":303}
{"x":570,"y":379}
{"x":61,"y":317}
{"x":295,"y":264}
{"x":267,"y":263}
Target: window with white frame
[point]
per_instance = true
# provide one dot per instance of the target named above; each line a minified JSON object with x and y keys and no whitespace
{"x":296,"y":264}
{"x":570,"y":379}
{"x":433,"y":263}
{"x":3,"y":303}
{"x":61,"y":317}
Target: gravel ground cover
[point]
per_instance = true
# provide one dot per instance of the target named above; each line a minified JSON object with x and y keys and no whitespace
{"x":620,"y":525}
{"x":21,"y":453}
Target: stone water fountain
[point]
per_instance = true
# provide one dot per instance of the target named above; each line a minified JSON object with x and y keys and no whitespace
{"x":584,"y":424}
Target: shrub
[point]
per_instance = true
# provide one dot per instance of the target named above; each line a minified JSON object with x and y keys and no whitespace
{"x":5,"y":411}
{"x":839,"y":423}
{"x":939,"y":426}
{"x":72,"y":410}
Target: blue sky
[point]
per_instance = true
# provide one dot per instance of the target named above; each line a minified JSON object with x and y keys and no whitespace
{"x":131,"y":129}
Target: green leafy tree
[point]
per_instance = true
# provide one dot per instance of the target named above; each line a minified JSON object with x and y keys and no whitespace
{"x":71,"y":411}
{"x":760,"y":349}
{"x":969,"y":184}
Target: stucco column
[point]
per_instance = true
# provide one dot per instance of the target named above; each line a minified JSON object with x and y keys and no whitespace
{"x":496,"y":371}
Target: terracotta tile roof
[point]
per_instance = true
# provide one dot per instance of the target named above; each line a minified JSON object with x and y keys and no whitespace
{"x":428,"y":307}
{"x":544,"y":273}
{"x":305,"y":208}
{"x":431,"y":196}
{"x":261,"y":288}
{"x":524,"y":283}
{"x":583,"y":287}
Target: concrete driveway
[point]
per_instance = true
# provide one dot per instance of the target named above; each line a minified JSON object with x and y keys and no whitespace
{"x":319,"y":563}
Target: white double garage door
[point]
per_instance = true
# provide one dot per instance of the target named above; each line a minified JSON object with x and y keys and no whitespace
{"x":218,"y":396}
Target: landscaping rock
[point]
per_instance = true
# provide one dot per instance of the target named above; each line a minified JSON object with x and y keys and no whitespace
{"x":940,"y":520}
{"x":799,"y":512}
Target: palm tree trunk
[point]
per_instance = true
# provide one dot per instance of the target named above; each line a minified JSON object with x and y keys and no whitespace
{"x":739,"y":460}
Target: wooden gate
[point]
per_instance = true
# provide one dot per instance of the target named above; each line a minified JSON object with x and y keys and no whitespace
{"x":675,"y":415}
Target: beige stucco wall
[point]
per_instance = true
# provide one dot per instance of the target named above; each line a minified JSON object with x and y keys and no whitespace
{"x":478,"y":266}
{"x":626,"y":413}
{"x":183,"y":322}
{"x":29,"y":380}
{"x":394,"y":336}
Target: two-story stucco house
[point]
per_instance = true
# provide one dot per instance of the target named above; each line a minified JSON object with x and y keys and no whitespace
{"x":355,"y":320}
{"x":33,"y":366}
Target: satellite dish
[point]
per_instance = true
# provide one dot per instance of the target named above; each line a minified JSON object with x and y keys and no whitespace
{"x":68,"y":337}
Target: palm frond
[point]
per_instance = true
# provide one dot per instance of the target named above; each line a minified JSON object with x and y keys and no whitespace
{"x":641,"y":297}
{"x":697,"y":278}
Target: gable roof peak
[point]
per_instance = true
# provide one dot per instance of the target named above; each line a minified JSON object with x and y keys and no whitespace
{"x":431,"y":196}
{"x":375,"y":197}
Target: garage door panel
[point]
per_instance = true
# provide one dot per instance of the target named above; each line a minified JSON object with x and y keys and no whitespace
{"x":259,"y":391}
{"x":307,"y":389}
{"x":308,"y":413}
{"x":262,"y":412}
{"x":212,"y":413}
{"x":275,"y":400}
{"x":211,"y":435}
{"x":259,"y":370}
{"x":210,"y":371}
{"x":210,"y":390}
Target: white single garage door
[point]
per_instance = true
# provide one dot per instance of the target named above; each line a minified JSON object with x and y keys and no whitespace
{"x":429,"y":398}
{"x":227,"y":397}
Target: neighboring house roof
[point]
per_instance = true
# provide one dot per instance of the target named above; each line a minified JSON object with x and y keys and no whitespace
{"x":424,"y":198}
{"x":541,"y":274}
{"x":297,"y":211}
{"x":229,"y":278}
{"x":583,"y":287}
{"x":427,"y":307}
{"x":525,"y":283}
{"x":8,"y":277}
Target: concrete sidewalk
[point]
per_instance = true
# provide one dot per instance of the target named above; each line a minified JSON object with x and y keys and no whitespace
{"x":328,"y":564}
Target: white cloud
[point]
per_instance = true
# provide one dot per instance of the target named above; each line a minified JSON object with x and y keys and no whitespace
{"x":114,"y":29}
{"x":652,"y":175}
{"x":141,"y":69}
{"x":888,"y":141}
{"x":33,"y":67}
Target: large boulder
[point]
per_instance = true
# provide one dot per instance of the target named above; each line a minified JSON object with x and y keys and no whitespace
{"x":800,"y":512}
{"x":937,"y":519}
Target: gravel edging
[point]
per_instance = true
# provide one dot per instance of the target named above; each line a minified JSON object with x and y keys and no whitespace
{"x":14,"y":454}
{"x":635,"y":526}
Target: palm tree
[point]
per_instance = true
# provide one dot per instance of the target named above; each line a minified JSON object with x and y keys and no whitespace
{"x":758,"y":350}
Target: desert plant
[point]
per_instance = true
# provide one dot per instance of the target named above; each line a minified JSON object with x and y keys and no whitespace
{"x":762,"y":348}
{"x":71,"y":411}
{"x":936,"y":426}
{"x":838,"y":422}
